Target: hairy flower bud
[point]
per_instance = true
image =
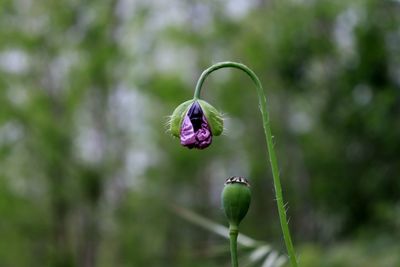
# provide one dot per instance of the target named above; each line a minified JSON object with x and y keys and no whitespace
{"x":195,"y":122}
{"x":236,"y":197}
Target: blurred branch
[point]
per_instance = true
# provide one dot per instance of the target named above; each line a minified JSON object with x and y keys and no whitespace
{"x":260,"y":250}
{"x":216,"y":228}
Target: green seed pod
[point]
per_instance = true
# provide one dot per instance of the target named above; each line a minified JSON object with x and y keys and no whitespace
{"x":236,"y":198}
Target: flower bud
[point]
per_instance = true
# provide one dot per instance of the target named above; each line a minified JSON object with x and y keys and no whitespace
{"x":236,"y":197}
{"x":195,"y":122}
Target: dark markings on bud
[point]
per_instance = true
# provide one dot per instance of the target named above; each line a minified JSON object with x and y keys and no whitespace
{"x":237,"y":179}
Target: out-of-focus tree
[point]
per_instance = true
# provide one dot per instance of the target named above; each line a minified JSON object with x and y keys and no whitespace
{"x":86,"y":167}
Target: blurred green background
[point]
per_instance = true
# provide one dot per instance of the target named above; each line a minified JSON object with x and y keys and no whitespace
{"x":88,"y":172}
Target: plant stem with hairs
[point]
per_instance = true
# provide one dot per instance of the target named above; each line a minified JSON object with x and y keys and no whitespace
{"x":271,"y":151}
{"x":233,"y":235}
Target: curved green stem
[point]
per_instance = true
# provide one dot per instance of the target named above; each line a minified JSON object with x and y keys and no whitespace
{"x":233,"y":234}
{"x":270,"y":146}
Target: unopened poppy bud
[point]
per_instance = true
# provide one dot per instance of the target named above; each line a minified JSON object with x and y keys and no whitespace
{"x":195,"y":122}
{"x":236,"y":197}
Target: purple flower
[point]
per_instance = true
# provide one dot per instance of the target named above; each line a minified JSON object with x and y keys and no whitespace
{"x":195,"y":130}
{"x":195,"y":122}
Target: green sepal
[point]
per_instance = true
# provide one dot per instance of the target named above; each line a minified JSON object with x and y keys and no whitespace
{"x":236,"y":198}
{"x":213,"y":116}
{"x":177,"y":117}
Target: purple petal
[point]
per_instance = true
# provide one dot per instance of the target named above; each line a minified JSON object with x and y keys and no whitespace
{"x":195,"y":131}
{"x":203,"y":135}
{"x":202,"y":138}
{"x":195,"y":114}
{"x":188,"y":137}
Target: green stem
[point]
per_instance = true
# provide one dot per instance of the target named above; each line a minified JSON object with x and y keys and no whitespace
{"x":270,"y":146}
{"x":233,"y":234}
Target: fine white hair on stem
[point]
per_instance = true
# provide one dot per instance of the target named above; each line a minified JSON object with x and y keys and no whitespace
{"x":225,"y":118}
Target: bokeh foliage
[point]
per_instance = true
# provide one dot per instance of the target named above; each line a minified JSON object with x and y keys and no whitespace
{"x":87,"y":170}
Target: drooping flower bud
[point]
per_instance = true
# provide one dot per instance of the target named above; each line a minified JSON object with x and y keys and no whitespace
{"x":236,"y":198}
{"x":195,"y":122}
